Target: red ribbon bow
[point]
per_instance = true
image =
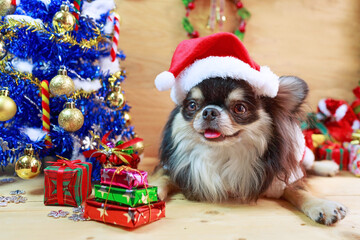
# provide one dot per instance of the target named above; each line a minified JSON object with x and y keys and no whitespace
{"x":66,"y":163}
{"x":117,"y":156}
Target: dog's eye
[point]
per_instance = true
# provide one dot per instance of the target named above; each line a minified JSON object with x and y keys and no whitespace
{"x":239,"y":109}
{"x":191,"y":106}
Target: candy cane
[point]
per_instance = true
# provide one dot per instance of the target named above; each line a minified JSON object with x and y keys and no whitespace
{"x":77,"y":4}
{"x":114,"y":17}
{"x":45,"y":110}
{"x":222,"y":17}
{"x":212,"y":17}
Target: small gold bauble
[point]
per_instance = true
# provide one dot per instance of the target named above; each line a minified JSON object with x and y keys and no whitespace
{"x":7,"y":106}
{"x":115,"y":99}
{"x":139,"y":147}
{"x":127,"y":118}
{"x":3,"y":50}
{"x":108,"y":164}
{"x":71,"y":119}
{"x":28,"y":166}
{"x":6,"y":7}
{"x":61,"y":84}
{"x":63,"y":21}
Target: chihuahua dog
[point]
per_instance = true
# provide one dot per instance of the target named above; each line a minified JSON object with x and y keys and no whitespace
{"x":226,"y":141}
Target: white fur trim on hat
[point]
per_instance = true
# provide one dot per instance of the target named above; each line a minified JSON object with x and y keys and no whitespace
{"x":356,"y":124}
{"x":264,"y":82}
{"x":341,"y":112}
{"x":323,"y":108}
{"x":164,"y":81}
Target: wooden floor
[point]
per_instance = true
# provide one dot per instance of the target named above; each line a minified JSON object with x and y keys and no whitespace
{"x":268,"y":219}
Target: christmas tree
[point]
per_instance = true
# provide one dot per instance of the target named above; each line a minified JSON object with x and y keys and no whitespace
{"x":73,"y":47}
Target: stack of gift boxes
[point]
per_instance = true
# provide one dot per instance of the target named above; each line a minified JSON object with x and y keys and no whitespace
{"x":329,"y":143}
{"x":124,"y":198}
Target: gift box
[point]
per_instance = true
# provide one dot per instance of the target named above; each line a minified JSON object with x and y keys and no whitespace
{"x":354,"y":158}
{"x":313,"y":139}
{"x":124,"y":216}
{"x":125,"y":178}
{"x":336,"y":152}
{"x":128,"y":197}
{"x":67,"y":183}
{"x":355,"y":167}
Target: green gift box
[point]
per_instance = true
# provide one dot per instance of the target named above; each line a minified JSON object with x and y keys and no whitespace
{"x":128,"y":197}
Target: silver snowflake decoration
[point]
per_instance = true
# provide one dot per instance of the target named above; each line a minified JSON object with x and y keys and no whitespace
{"x":17,"y":192}
{"x":89,"y":143}
{"x":77,"y":217}
{"x":12,"y":199}
{"x":7,"y":180}
{"x":19,"y":199}
{"x":79,"y":209}
{"x":58,"y":214}
{"x":96,"y":128}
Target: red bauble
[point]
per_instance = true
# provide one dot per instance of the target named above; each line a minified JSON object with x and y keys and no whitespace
{"x":191,"y":5}
{"x":242,"y":26}
{"x":239,"y":4}
{"x":195,"y":34}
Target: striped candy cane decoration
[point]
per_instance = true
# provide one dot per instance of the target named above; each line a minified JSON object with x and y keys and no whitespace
{"x":116,"y":19}
{"x":77,"y":4}
{"x":212,"y":17}
{"x":45,"y":110}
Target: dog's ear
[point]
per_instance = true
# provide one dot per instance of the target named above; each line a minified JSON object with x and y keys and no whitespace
{"x":292,"y":93}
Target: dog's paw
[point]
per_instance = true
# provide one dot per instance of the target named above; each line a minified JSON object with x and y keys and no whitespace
{"x":324,"y":211}
{"x":325,"y":168}
{"x":162,"y":192}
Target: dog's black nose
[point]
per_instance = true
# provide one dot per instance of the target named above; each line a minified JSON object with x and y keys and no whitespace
{"x":210,"y":114}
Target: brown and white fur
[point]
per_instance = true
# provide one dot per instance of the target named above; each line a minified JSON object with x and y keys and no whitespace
{"x":258,"y":150}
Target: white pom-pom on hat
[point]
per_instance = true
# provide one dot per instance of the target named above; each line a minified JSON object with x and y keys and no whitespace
{"x":164,"y":81}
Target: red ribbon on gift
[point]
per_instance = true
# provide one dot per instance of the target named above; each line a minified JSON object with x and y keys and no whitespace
{"x":115,"y":155}
{"x":59,"y":177}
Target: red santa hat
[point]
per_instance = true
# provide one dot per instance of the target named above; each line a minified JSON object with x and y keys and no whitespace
{"x":339,"y":118}
{"x":218,"y":55}
{"x":338,"y":110}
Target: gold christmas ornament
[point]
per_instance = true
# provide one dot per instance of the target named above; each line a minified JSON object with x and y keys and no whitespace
{"x":62,"y":84}
{"x":108,"y":164}
{"x":28,"y":166}
{"x":3,"y":50}
{"x":115,"y":99}
{"x":71,"y":119}
{"x":6,"y":7}
{"x":63,"y":21}
{"x":8,"y":107}
{"x":127,"y":118}
{"x":139,"y":147}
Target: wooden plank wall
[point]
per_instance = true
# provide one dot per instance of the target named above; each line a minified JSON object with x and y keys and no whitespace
{"x":315,"y":40}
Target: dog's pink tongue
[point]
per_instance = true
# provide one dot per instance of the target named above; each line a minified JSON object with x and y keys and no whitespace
{"x":209,"y":133}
